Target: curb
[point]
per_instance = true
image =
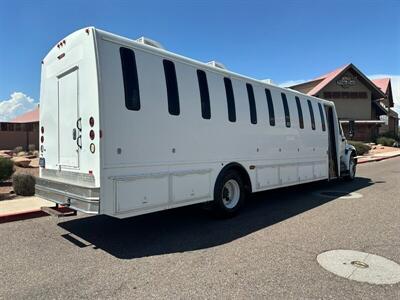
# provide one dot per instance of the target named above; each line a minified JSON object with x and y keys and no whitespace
{"x":23,"y":215}
{"x":377,"y":159}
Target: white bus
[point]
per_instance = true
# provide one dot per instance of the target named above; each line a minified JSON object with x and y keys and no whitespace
{"x":127,"y":128}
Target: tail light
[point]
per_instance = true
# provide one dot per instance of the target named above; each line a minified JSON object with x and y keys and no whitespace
{"x":42,"y":129}
{"x":91,"y":121}
{"x":91,"y":134}
{"x":42,"y":139}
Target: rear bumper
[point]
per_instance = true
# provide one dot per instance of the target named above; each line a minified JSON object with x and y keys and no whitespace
{"x":81,"y":198}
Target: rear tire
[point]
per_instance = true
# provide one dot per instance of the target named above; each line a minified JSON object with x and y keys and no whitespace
{"x":229,"y":194}
{"x":352,"y":169}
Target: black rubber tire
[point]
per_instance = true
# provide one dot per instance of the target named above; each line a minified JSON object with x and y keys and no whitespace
{"x":351,"y":175}
{"x":219,"y":209}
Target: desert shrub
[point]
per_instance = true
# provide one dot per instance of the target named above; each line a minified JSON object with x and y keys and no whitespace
{"x":22,"y":153}
{"x":18,"y":149}
{"x":35,"y":153}
{"x":361,"y":148}
{"x":31,"y":148}
{"x":24,"y":184}
{"x":6,"y":168}
{"x":385,"y":141}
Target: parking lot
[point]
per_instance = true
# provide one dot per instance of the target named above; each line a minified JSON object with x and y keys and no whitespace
{"x":268,"y":251}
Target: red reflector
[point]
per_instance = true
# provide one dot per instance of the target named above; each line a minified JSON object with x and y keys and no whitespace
{"x":91,"y":134}
{"x":91,"y":121}
{"x":42,"y":129}
{"x":87,"y":30}
{"x":61,"y":55}
{"x":42,"y":139}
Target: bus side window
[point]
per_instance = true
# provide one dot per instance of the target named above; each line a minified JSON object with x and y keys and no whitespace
{"x":130,"y":78}
{"x":230,"y":98}
{"x":172,"y":87}
{"x":321,"y":113}
{"x":311,"y":114}
{"x":204,"y":94}
{"x":271,"y":111}
{"x":252,"y":103}
{"x":300,"y":112}
{"x":286,"y":109}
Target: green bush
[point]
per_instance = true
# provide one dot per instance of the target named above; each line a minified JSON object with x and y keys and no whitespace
{"x":18,"y":149}
{"x":6,"y":168}
{"x":24,"y":184}
{"x":361,"y":148}
{"x":385,"y":141}
{"x":31,"y":148}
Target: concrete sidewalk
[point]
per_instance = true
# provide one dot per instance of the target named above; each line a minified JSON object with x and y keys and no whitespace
{"x":22,"y":206}
{"x":377,"y":156}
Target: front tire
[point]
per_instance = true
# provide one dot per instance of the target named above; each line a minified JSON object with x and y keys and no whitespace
{"x":229,"y":194}
{"x":352,"y":169}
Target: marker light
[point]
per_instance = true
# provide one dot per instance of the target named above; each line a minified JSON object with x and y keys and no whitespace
{"x":91,"y":121}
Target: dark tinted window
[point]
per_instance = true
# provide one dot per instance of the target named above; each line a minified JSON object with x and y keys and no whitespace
{"x":300,"y":111}
{"x":286,"y":109}
{"x":204,"y":94}
{"x":172,"y":87}
{"x":130,"y":77}
{"x":321,"y":113}
{"x":252,"y":103}
{"x":271,"y":111}
{"x":311,"y":114}
{"x":230,"y":98}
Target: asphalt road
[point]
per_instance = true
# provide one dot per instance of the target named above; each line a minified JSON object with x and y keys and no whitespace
{"x":268,"y":251}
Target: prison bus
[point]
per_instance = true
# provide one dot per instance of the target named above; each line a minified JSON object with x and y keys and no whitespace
{"x":128,"y":128}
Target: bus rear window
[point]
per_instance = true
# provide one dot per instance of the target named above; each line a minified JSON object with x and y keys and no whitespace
{"x":271,"y":111}
{"x":321,"y":113}
{"x":252,"y":103}
{"x":130,"y":78}
{"x":172,"y":87}
{"x":230,"y":98}
{"x":311,"y":114}
{"x":204,"y":94}
{"x":286,"y":109}
{"x":300,"y":112}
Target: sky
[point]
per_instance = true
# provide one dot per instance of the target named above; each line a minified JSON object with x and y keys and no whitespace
{"x":287,"y":41}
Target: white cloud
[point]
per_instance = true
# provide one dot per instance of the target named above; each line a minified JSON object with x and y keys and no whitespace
{"x":291,"y":82}
{"x":17,"y":104}
{"x":395,"y":79}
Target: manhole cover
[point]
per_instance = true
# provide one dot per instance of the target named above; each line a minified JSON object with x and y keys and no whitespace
{"x":360,"y":266}
{"x":339,"y":194}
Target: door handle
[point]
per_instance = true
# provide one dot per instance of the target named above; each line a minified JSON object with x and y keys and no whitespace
{"x":79,"y":142}
{"x":74,"y":134}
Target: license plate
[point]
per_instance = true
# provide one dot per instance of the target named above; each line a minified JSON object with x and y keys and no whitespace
{"x":42,"y":162}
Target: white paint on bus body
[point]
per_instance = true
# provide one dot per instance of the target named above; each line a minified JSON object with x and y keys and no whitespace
{"x":149,"y":160}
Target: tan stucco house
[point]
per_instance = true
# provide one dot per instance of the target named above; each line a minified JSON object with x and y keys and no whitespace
{"x":356,"y":98}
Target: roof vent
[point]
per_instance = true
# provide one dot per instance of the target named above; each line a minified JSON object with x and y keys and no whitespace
{"x":216,"y":64}
{"x":149,"y":42}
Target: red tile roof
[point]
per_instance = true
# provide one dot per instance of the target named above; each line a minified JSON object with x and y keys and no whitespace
{"x":29,"y":117}
{"x":382,"y":83}
{"x":326,"y":79}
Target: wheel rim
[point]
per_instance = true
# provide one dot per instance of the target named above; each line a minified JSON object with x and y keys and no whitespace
{"x":231,"y":193}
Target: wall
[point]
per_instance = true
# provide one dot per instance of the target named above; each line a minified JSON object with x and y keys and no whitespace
{"x":11,"y":139}
{"x":354,"y":108}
